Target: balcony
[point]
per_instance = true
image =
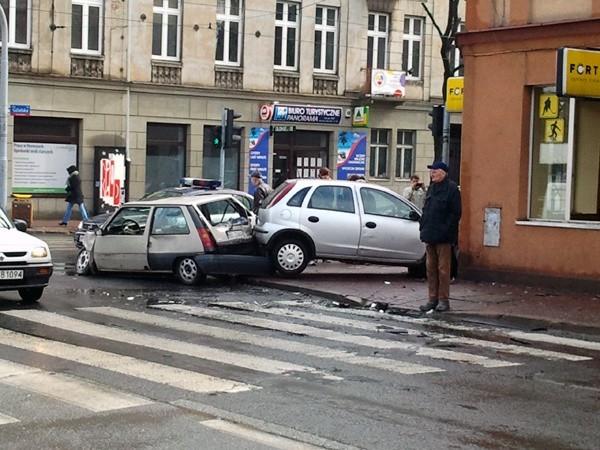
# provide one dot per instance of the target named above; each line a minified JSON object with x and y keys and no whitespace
{"x":286,"y":83}
{"x":229,"y":78}
{"x":166,"y":73}
{"x":325,"y":85}
{"x":87,"y":66}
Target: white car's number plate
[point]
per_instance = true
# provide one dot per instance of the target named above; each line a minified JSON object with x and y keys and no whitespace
{"x":11,"y":274}
{"x":237,"y":234}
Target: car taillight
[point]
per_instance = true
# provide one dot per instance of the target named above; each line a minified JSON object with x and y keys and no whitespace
{"x":282,"y":194}
{"x":207,"y":240}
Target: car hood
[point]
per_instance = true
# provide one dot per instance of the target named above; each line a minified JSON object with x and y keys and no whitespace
{"x":13,"y":240}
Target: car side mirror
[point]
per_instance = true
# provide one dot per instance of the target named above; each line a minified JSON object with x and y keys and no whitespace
{"x":20,"y":225}
{"x":414,"y":215}
{"x":98,"y":232}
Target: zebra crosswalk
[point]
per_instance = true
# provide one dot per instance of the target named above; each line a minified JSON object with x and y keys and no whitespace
{"x":236,"y":348}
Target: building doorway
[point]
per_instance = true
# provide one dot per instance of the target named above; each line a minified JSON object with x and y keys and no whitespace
{"x":299,"y":154}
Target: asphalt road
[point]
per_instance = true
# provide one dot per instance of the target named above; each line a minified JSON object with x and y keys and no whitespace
{"x":142,"y":362}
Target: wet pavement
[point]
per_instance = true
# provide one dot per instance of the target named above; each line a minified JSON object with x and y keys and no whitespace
{"x":391,"y":289}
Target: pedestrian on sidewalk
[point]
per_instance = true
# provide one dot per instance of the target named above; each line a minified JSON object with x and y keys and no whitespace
{"x":415,"y":192}
{"x":74,"y":195}
{"x":261,"y":190}
{"x":439,"y":230}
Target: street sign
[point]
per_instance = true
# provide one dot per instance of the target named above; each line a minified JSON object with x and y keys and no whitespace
{"x":20,"y":110}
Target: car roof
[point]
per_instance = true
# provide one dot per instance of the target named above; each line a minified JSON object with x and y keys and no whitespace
{"x":302,"y":182}
{"x":182,"y":200}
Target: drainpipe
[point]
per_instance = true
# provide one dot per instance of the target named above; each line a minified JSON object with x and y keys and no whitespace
{"x":128,"y":101}
{"x":3,"y":108}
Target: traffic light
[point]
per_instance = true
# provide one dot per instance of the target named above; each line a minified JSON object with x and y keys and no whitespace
{"x":216,"y":137}
{"x":437,"y":120}
{"x":233,"y":132}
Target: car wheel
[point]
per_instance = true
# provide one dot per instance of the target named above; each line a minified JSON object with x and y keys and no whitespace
{"x":290,"y":257}
{"x":85,"y":265}
{"x":30,"y":295}
{"x":188,"y":271}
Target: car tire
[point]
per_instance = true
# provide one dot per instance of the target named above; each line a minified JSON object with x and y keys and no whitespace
{"x":188,"y":272}
{"x":290,"y":257}
{"x":31,"y":295}
{"x":85,"y":264}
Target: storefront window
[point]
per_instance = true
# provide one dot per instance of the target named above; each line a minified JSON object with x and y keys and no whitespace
{"x":165,"y":155}
{"x":565,"y":158}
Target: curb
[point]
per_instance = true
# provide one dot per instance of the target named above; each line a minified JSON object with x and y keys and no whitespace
{"x":502,"y":320}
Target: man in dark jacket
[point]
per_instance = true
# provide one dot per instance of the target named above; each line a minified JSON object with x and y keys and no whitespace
{"x":74,"y":195}
{"x":261,"y":190}
{"x":439,"y":230}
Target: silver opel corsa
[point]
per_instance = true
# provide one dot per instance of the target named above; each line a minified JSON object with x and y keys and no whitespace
{"x":307,"y":219}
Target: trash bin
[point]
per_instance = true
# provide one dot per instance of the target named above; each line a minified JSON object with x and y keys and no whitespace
{"x":22,"y":208}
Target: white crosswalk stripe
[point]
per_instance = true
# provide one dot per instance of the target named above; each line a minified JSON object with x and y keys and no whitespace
{"x":361,"y":340}
{"x":146,"y":370}
{"x":507,"y":348}
{"x":68,"y":389}
{"x":274,"y":343}
{"x":199,"y":351}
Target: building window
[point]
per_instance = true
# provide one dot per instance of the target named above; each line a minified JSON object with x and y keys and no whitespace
{"x":412,"y":45}
{"x":18,"y":16}
{"x":565,"y":168}
{"x":326,"y":38}
{"x":166,"y":29}
{"x":86,"y":30}
{"x":405,"y":154}
{"x":378,"y":162}
{"x":456,"y":57}
{"x":229,"y":32}
{"x":377,"y":40}
{"x":287,"y":35}
{"x":165,"y":155}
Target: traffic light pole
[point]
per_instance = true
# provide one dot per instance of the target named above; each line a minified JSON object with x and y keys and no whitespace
{"x":222,"y":154}
{"x":446,"y":137}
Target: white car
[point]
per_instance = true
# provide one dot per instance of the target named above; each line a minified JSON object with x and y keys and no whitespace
{"x":25,"y":261}
{"x":307,"y":219}
{"x":190,"y":236}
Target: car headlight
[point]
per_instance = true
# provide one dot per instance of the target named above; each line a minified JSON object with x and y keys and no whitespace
{"x":39,"y":252}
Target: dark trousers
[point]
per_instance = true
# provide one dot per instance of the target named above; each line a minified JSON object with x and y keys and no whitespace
{"x":438,"y":271}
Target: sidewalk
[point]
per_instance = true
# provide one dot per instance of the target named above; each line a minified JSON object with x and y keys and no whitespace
{"x":363,"y":284}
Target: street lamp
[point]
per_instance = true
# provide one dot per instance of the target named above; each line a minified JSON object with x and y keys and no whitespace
{"x":3,"y":106}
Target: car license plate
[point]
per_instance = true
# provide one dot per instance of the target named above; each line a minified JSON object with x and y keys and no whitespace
{"x":11,"y":274}
{"x":237,"y":234}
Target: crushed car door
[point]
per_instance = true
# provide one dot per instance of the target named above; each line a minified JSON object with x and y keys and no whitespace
{"x":123,"y":244}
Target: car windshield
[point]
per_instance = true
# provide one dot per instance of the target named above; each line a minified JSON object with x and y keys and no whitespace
{"x":163,"y":193}
{"x":5,"y":222}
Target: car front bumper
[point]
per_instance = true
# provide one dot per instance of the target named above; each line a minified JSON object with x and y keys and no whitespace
{"x":33,"y":276}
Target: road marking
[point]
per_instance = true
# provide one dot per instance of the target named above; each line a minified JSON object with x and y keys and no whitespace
{"x":508,"y":348}
{"x":158,"y":373}
{"x":68,"y":389}
{"x":273,"y":343}
{"x":361,"y":340}
{"x":549,"y":339}
{"x":256,"y":363}
{"x":257,"y":436}
{"x":4,"y":419}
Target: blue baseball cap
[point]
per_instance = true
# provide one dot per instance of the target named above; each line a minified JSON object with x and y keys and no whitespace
{"x":439,"y":165}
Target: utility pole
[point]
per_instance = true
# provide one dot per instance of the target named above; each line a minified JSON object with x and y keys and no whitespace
{"x":3,"y":108}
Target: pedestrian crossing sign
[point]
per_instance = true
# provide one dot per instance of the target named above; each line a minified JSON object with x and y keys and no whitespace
{"x":548,"y":106}
{"x":554,"y":131}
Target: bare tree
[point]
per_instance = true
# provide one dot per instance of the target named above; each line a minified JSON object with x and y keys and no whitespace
{"x":447,"y":37}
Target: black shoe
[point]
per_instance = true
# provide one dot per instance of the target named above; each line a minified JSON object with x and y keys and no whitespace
{"x":431,"y":304}
{"x":62,"y":224}
{"x":443,"y":306}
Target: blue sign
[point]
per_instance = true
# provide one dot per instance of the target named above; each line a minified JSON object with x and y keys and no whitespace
{"x":259,"y":154}
{"x":352,"y":154}
{"x":306,"y":114}
{"x":20,"y":110}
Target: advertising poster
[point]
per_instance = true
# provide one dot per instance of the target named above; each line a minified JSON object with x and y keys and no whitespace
{"x":352,"y":154}
{"x":39,"y":168}
{"x":259,"y":154}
